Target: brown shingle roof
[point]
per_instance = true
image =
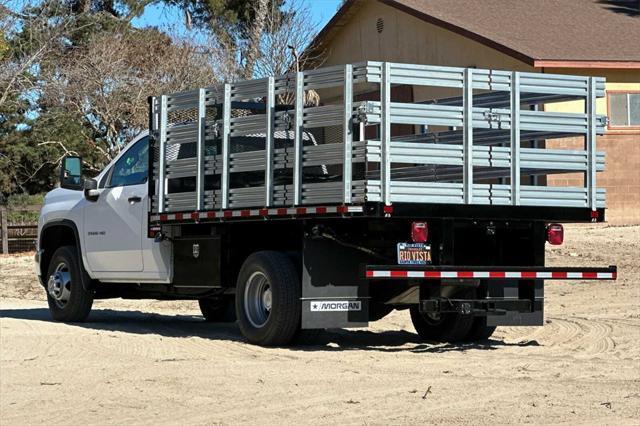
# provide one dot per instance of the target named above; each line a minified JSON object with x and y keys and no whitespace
{"x":539,"y":32}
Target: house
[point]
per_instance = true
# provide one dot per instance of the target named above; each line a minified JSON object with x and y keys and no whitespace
{"x":582,"y":37}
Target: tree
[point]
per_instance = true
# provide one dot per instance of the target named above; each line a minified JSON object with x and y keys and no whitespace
{"x":73,"y":81}
{"x":237,"y":25}
{"x":285,"y":38}
{"x":75,"y":74}
{"x":107,"y":81}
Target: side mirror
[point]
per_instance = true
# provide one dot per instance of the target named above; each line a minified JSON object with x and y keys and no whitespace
{"x":91,"y":192}
{"x":71,"y":173}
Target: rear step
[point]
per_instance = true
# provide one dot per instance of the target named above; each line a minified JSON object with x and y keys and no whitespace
{"x":436,"y":272}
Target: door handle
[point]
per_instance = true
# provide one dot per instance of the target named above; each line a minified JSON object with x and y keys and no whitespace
{"x":134,"y":199}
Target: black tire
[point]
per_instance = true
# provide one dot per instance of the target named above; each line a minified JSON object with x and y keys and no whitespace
{"x":68,"y":300}
{"x":218,"y":310}
{"x":479,"y":330}
{"x":450,"y":327}
{"x":308,"y":337}
{"x":278,"y":325}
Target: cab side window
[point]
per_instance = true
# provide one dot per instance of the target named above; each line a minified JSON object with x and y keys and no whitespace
{"x":133,"y":167}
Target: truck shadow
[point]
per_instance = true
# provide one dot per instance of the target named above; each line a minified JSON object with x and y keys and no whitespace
{"x":397,"y":341}
{"x":186,"y":326}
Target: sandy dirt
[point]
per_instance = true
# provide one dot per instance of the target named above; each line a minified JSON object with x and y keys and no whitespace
{"x":143,"y":362}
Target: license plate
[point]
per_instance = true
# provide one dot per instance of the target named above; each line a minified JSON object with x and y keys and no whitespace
{"x":414,"y":254}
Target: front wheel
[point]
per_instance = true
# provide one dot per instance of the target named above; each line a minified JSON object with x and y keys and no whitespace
{"x":268,"y":299}
{"x":67,"y":298}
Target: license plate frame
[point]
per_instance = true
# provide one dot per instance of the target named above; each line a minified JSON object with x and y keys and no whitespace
{"x":413,"y":254}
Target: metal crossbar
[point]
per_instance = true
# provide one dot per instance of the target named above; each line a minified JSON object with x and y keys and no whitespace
{"x":261,"y":143}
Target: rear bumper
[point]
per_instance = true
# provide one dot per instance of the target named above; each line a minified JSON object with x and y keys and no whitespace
{"x":437,"y":272}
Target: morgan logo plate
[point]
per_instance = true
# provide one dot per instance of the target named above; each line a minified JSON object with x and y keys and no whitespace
{"x":335,"y":305}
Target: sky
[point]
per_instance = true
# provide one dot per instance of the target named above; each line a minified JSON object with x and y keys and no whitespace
{"x":165,"y":16}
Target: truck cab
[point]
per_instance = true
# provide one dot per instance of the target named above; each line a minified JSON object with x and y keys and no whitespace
{"x":109,"y":221}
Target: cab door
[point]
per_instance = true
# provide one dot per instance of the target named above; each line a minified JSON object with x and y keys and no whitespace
{"x":114,"y":223}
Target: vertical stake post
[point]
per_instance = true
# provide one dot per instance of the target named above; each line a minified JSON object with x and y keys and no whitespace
{"x":268,"y":168}
{"x":385,"y":134}
{"x":200,"y":151}
{"x":298,"y":140}
{"x":467,"y":120}
{"x":162,"y":183}
{"x":515,"y":138}
{"x":347,"y":133}
{"x":591,"y":143}
{"x":226,"y":130}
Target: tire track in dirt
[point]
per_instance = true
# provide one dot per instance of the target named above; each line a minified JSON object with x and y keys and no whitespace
{"x":586,"y":336}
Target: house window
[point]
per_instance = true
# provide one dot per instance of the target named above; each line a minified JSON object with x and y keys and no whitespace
{"x":624,"y":109}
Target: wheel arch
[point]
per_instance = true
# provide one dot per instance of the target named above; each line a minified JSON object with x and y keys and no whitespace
{"x":55,"y":234}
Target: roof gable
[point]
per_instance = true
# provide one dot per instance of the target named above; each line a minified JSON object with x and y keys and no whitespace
{"x":542,"y":33}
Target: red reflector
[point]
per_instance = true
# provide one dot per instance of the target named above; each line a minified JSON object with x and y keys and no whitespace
{"x":595,"y":214}
{"x":555,"y":234}
{"x":419,"y":232}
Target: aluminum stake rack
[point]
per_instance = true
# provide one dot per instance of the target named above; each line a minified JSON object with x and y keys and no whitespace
{"x":261,"y":149}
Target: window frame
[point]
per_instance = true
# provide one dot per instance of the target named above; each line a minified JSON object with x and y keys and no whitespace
{"x":618,"y":127}
{"x":109,"y":175}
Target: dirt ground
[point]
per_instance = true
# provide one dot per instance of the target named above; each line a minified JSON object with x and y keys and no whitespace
{"x":143,"y":362}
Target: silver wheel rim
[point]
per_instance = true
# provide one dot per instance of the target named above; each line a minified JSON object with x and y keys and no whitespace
{"x":257,"y":299}
{"x":59,"y":285}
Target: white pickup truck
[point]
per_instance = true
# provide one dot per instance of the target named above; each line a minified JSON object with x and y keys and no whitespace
{"x":293,"y":218}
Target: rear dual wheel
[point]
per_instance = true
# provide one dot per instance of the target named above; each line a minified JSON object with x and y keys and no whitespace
{"x":480,"y":330}
{"x":268,"y":299}
{"x":450,"y":327}
{"x":218,"y":310}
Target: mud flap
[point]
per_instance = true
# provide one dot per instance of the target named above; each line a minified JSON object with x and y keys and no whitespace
{"x":514,"y":289}
{"x":334,"y":293}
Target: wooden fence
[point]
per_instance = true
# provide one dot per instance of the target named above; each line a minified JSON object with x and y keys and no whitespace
{"x":18,"y":236}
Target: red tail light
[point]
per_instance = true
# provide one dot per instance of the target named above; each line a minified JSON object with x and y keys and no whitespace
{"x":555,"y":234}
{"x":419,"y":232}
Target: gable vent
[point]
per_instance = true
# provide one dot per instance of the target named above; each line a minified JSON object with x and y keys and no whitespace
{"x":380,"y":25}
